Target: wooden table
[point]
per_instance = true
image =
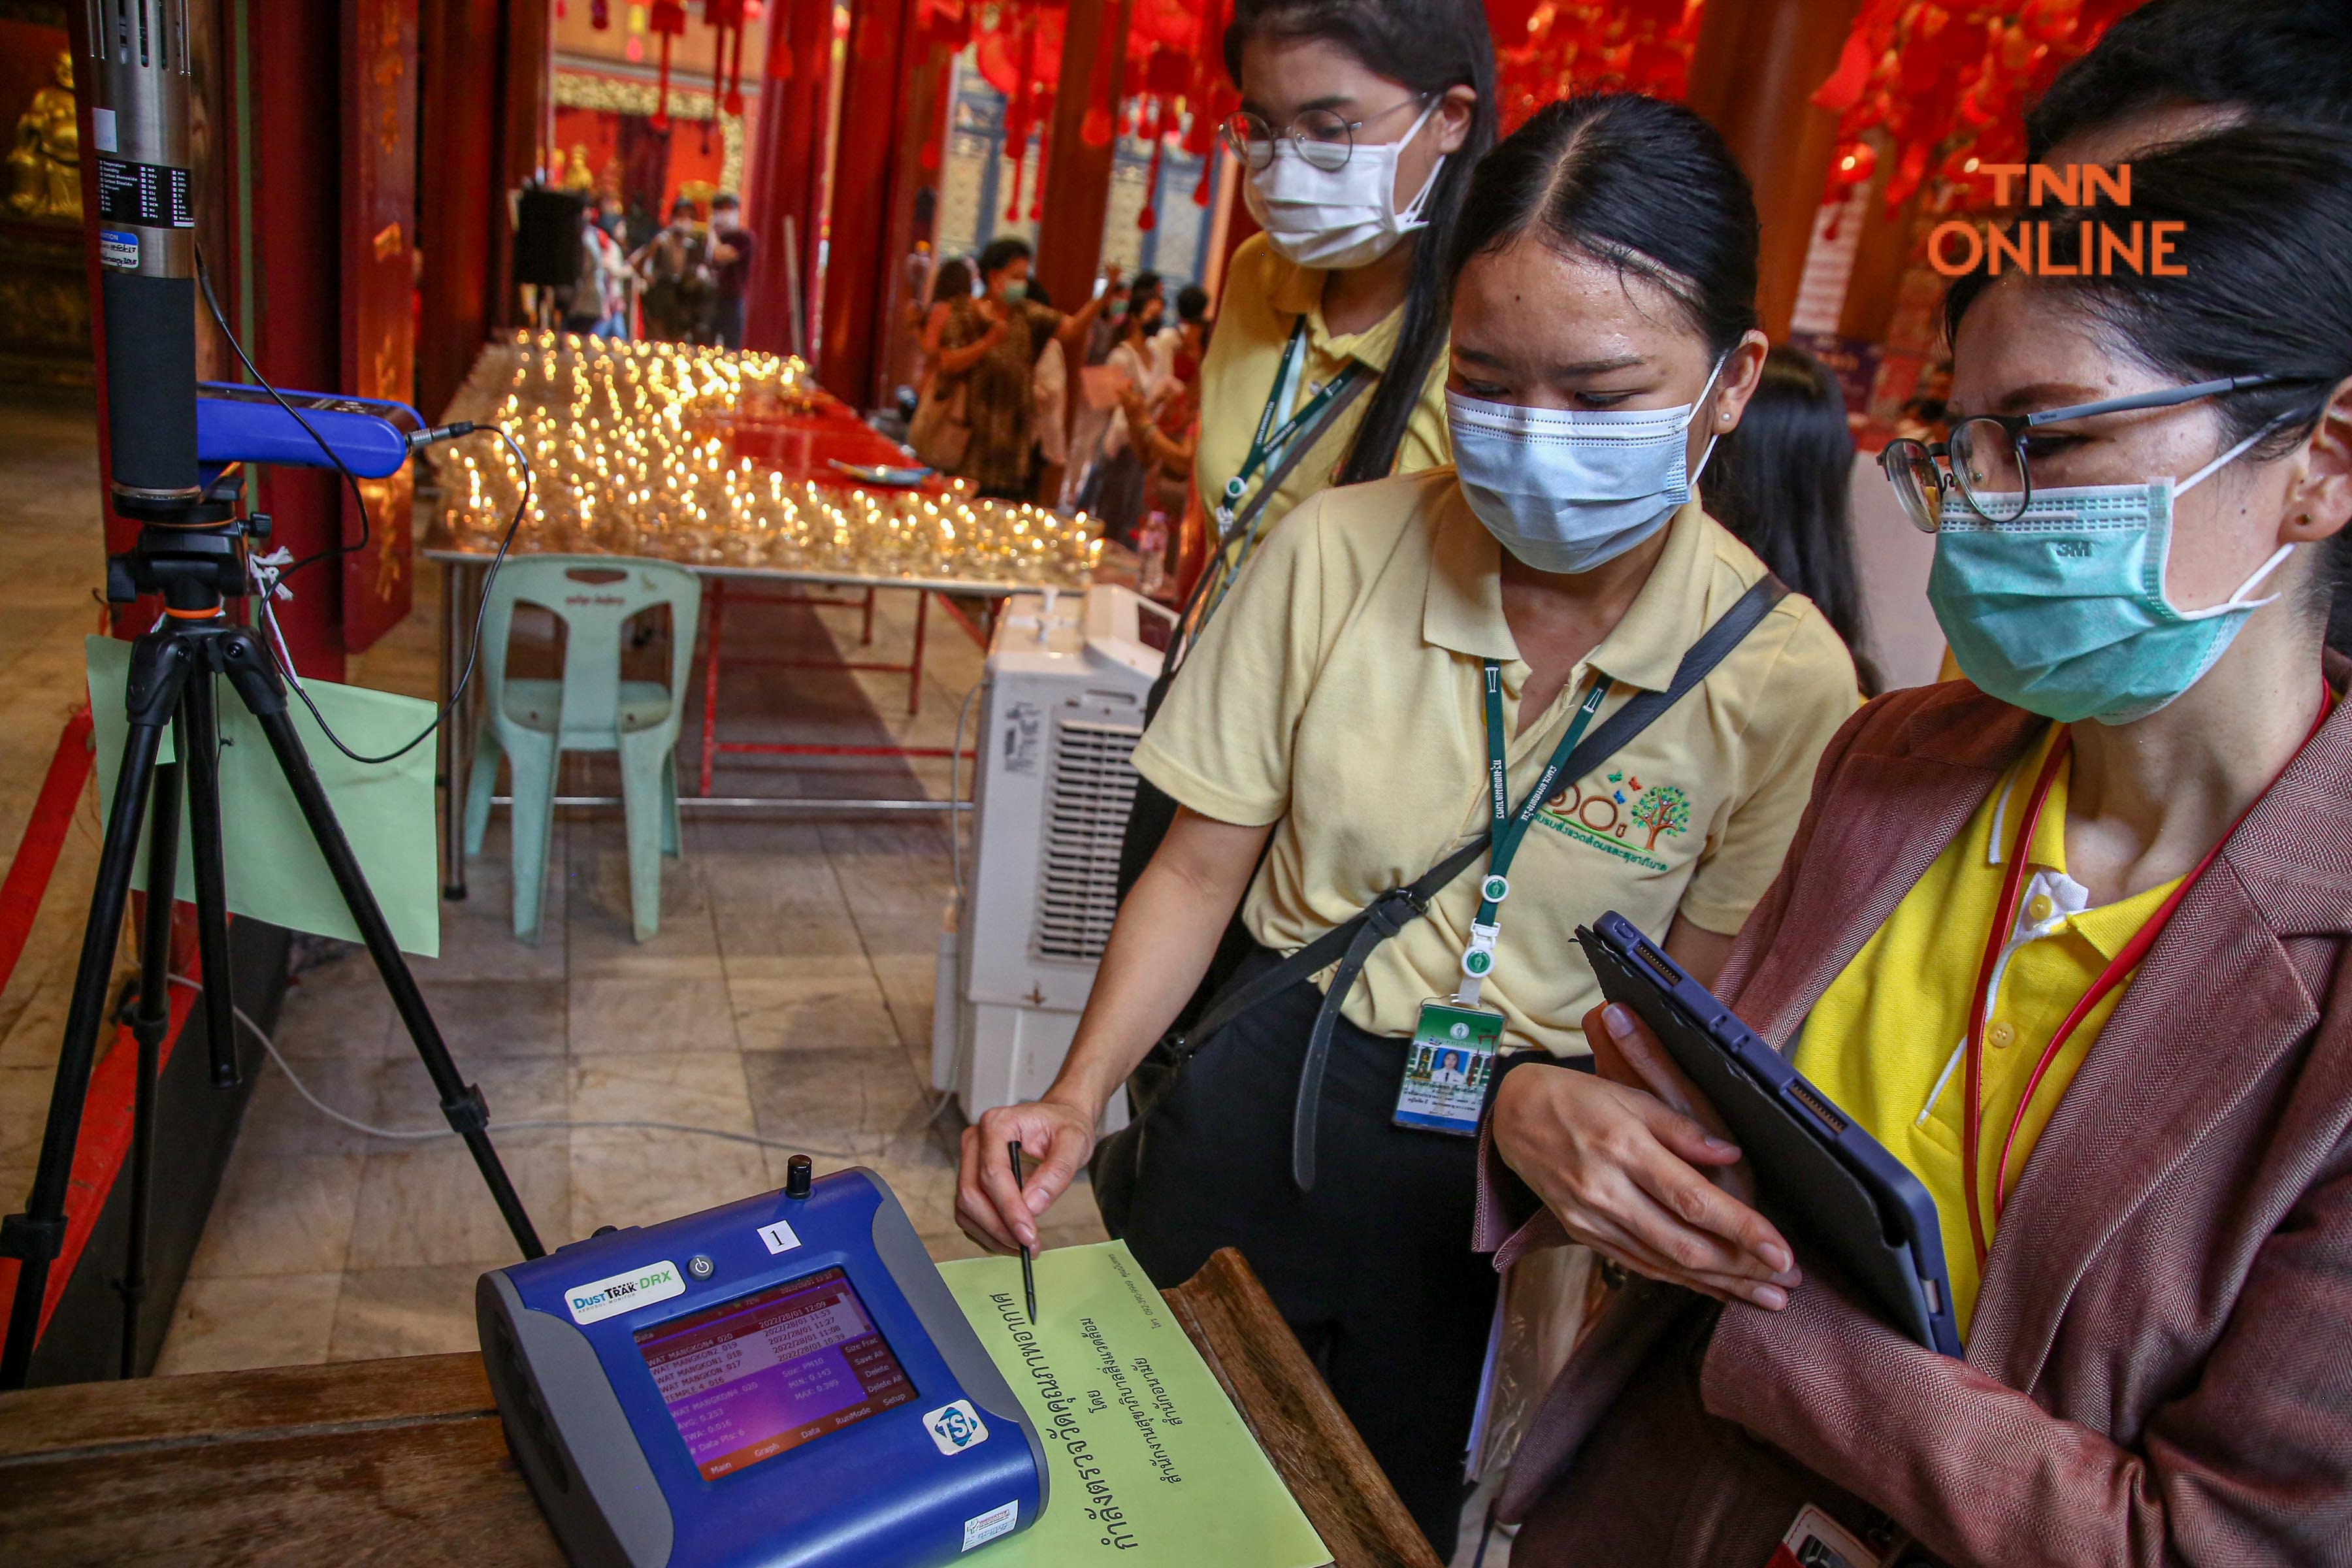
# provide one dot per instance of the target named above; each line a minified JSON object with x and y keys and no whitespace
{"x":403,"y":1461}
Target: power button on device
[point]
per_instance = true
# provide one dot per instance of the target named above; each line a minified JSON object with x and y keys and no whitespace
{"x":701,"y":1267}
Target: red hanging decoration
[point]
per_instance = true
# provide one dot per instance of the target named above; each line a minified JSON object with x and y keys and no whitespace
{"x":1945,"y":82}
{"x":666,"y":21}
{"x":600,"y":13}
{"x":725,"y":20}
{"x":1146,"y":216}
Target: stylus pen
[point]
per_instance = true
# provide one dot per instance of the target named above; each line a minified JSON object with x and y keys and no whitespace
{"x":1028,"y":1266}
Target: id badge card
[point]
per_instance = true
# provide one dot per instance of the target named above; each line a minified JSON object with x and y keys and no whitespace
{"x":1816,"y":1541}
{"x":1445,"y":1072}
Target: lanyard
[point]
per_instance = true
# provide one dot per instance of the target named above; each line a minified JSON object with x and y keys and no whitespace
{"x":2117,"y":971}
{"x":1510,"y":826}
{"x":1268,"y":439}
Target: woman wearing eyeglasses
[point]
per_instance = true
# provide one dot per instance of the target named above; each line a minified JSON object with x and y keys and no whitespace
{"x":1359,"y":122}
{"x":2068,"y":940}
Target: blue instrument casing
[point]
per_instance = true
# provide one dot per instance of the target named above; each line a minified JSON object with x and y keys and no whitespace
{"x":748,"y":1308}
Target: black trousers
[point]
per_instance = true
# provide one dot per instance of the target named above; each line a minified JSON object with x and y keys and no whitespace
{"x":1373,"y":1270}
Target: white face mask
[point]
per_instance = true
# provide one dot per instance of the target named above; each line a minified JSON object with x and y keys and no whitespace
{"x":1336,"y":218}
{"x":1570,"y":490}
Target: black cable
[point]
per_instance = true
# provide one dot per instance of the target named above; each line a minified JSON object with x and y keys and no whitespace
{"x":473,"y":651}
{"x":204,"y":282}
{"x":270,"y":641}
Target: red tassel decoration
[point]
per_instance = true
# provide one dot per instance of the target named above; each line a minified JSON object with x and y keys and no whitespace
{"x":600,"y":13}
{"x":667,"y":21}
{"x":1146,"y":216}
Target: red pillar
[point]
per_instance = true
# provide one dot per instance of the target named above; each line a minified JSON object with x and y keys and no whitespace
{"x":788,"y":166}
{"x":1077,"y":175}
{"x":1753,"y":74}
{"x":873,"y":105}
{"x":379,"y":344}
{"x":297,"y":336}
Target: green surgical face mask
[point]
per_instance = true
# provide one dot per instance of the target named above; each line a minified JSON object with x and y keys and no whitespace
{"x":1016,"y":290}
{"x":2063,"y":612}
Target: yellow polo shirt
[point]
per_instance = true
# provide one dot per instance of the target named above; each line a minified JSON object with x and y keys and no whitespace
{"x":1884,"y":1041}
{"x":1264,"y":297}
{"x":1339,"y":695}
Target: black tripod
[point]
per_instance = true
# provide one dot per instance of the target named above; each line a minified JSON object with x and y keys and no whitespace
{"x":198,"y":567}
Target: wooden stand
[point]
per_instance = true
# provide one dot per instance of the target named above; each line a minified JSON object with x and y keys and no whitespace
{"x":403,"y":1461}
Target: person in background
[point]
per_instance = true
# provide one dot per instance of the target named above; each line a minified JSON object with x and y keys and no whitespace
{"x":1115,"y":299}
{"x":731,"y":248}
{"x":1392,"y":650}
{"x":2068,"y":940}
{"x":1784,"y":483}
{"x":1191,"y":332}
{"x":1360,"y":121}
{"x":675,"y":265}
{"x":1049,"y":409}
{"x":951,"y":283}
{"x":1116,"y":486}
{"x":988,"y":347}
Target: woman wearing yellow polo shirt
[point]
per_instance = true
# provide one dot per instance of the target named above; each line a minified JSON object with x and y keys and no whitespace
{"x":1361,"y":120}
{"x":1402,"y":660}
{"x":2069,"y":940}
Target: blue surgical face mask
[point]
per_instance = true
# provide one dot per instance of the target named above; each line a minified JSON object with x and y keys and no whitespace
{"x":1570,"y":490}
{"x":2063,"y":612}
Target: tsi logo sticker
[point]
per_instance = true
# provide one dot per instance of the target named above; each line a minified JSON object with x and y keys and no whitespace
{"x":600,"y":1299}
{"x":955,"y":1427}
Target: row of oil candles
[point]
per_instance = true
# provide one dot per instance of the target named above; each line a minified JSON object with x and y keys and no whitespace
{"x":626,"y":458}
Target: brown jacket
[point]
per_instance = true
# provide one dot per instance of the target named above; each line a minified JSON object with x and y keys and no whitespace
{"x":2160,"y":1370}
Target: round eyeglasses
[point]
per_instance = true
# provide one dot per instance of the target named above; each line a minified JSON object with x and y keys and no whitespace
{"x":1324,"y":138}
{"x":1985,"y":459}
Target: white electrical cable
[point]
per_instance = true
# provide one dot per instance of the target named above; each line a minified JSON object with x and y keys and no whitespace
{"x":420,"y":1134}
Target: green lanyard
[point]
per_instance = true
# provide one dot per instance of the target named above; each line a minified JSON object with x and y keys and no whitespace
{"x":1263,"y":445}
{"x":1510,"y":826}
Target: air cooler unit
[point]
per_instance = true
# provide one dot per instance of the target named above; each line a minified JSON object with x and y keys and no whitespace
{"x":1061,"y":710}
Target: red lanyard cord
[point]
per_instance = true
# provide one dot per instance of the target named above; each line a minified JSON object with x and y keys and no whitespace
{"x":2117,"y":971}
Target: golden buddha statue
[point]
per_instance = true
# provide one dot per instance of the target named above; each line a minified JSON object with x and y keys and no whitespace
{"x":576,"y":174}
{"x":44,"y":165}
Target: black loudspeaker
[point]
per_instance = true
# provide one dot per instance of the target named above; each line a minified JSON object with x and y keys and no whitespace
{"x":547,"y":237}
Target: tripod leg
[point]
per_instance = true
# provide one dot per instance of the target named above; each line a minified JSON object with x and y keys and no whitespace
{"x":461,"y":1102}
{"x":148,"y":1025}
{"x":200,"y":731}
{"x":159,"y":666}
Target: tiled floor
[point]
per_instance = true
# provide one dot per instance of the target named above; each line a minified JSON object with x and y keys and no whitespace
{"x":787,"y":995}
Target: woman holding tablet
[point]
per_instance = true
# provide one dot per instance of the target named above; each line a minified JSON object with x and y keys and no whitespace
{"x":2067,"y":940}
{"x":1400,"y":658}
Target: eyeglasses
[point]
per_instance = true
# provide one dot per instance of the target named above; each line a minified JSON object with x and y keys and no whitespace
{"x":1325,"y":140}
{"x":1985,"y":458}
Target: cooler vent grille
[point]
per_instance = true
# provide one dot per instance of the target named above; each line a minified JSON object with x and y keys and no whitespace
{"x":1092,"y":786}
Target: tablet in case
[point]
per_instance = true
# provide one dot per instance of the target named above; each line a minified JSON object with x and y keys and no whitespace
{"x":1817,"y":1173}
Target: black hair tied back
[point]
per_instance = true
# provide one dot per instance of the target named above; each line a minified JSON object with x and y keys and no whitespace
{"x":1646,"y":185}
{"x":1427,"y":46}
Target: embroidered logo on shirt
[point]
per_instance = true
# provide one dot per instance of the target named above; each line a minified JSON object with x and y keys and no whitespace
{"x":1620,"y":816}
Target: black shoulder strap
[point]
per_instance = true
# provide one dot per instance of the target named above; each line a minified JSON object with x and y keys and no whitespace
{"x":1351,"y":944}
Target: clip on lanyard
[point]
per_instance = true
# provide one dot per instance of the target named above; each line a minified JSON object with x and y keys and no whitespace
{"x":2117,"y":971}
{"x":1270,"y":439}
{"x":1510,"y":827}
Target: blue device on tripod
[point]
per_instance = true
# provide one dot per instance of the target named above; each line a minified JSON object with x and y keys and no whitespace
{"x":368,"y":437}
{"x":780,"y":1382}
